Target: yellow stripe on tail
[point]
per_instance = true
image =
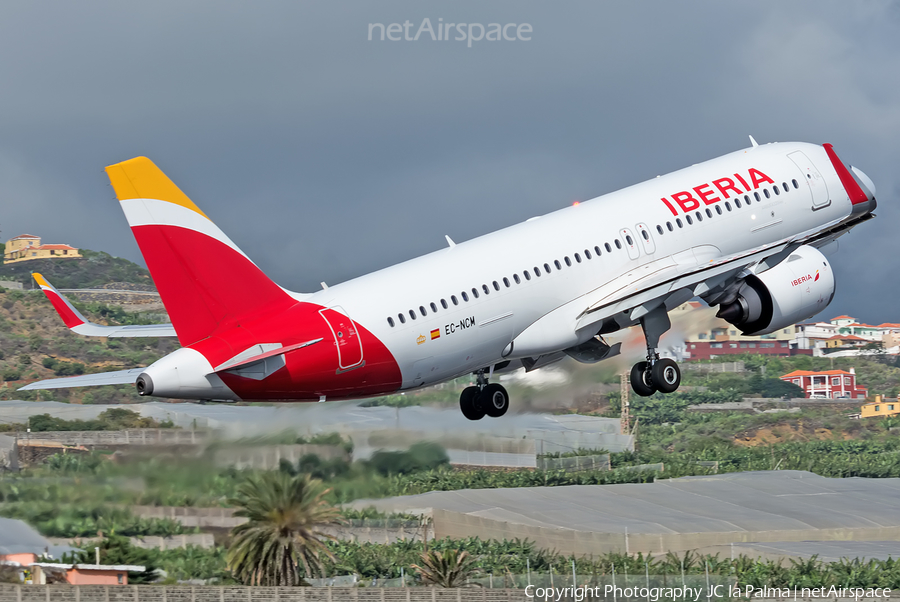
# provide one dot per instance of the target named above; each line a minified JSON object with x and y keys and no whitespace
{"x":140,"y":178}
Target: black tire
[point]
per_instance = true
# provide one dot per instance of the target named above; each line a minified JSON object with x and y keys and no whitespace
{"x":640,"y":375}
{"x":468,"y":403}
{"x":666,"y":375}
{"x":494,"y":400}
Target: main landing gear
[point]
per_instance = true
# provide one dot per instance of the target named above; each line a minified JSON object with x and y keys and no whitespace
{"x":655,"y":374}
{"x":483,"y":399}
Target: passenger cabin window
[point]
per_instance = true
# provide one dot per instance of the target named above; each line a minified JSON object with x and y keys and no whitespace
{"x":391,"y":322}
{"x":756,"y":194}
{"x":678,"y":221}
{"x":737,"y":203}
{"x":547,"y":267}
{"x":506,"y":282}
{"x":794,"y":182}
{"x":669,"y":226}
{"x":497,"y":286}
{"x":475,"y":293}
{"x":401,"y":318}
{"x":727,"y":205}
{"x":433,"y":308}
{"x":454,"y":300}
{"x":444,"y":303}
{"x":766,"y":192}
{"x":578,"y":257}
{"x":688,"y":219}
{"x":516,"y":278}
{"x":699,"y":216}
{"x":422,"y":311}
{"x":709,"y":211}
{"x":628,"y":240}
{"x":557,"y":264}
{"x":618,"y":244}
{"x":412,"y":314}
{"x":527,"y":275}
{"x":568,"y":261}
{"x":537,"y":271}
{"x":658,"y":229}
{"x":486,"y":290}
{"x":776,"y":190}
{"x":719,"y":209}
{"x":465,"y":297}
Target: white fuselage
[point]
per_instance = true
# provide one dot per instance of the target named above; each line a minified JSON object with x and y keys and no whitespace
{"x":477,"y":332}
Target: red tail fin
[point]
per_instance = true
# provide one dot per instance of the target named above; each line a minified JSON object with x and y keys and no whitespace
{"x":205,"y":281}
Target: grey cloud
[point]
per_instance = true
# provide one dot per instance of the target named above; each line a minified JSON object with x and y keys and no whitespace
{"x":324,"y":155}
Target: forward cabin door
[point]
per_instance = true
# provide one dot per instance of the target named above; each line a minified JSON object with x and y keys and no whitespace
{"x":813,"y":179}
{"x":346,"y":338}
{"x":631,"y":245}
{"x":646,"y":239}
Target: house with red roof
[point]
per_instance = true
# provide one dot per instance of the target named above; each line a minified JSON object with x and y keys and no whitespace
{"x":26,"y":247}
{"x":828,"y":384}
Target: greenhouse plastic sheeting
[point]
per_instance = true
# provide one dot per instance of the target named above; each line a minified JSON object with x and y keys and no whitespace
{"x":669,"y":515}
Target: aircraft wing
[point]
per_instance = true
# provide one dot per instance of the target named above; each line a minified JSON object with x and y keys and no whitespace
{"x":698,"y":272}
{"x":668,"y":282}
{"x":120,"y":377}
{"x":78,"y":324}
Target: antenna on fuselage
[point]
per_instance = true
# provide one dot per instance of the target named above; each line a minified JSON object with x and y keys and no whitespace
{"x":753,"y":142}
{"x":449,"y":241}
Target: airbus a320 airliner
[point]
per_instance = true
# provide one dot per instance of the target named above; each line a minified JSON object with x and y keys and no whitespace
{"x":741,"y":232}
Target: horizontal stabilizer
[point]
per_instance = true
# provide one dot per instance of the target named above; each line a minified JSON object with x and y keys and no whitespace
{"x":78,"y":324}
{"x":121,"y":377}
{"x":258,"y":353}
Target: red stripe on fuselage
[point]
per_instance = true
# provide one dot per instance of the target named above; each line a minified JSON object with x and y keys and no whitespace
{"x":310,"y":372}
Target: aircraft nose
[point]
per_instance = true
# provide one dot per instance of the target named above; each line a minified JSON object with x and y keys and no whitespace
{"x":865,"y":182}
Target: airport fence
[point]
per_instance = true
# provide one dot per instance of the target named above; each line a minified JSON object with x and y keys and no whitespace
{"x":575,"y":463}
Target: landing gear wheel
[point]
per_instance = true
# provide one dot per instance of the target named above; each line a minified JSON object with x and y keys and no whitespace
{"x":641,"y":380}
{"x":494,"y":400}
{"x":665,"y":375}
{"x":469,"y":403}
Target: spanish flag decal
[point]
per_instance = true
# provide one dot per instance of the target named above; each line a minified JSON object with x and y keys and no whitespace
{"x":435,"y":334}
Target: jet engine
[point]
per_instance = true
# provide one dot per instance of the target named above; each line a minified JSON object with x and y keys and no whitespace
{"x":799,"y":287}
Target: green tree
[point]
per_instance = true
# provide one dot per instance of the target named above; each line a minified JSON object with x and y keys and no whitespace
{"x":449,"y":568}
{"x":286,"y":514}
{"x":774,"y":387}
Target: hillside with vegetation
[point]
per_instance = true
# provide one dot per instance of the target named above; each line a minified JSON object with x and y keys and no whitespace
{"x":35,"y":344}
{"x":93,"y":270}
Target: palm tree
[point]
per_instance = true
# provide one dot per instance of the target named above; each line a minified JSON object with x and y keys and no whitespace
{"x":283,"y":532}
{"x":449,"y":568}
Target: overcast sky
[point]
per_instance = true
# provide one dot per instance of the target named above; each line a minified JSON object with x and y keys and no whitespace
{"x":324,"y":155}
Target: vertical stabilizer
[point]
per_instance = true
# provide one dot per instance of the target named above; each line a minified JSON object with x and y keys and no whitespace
{"x":205,"y":281}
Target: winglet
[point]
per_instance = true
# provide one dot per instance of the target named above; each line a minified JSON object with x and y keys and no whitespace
{"x":71,"y":316}
{"x":78,"y":324}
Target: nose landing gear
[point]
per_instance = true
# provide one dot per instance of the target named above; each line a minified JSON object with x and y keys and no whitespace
{"x":483,"y":399}
{"x":655,"y":374}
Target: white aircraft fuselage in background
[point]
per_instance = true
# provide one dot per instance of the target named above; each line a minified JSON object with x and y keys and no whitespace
{"x":740,"y":231}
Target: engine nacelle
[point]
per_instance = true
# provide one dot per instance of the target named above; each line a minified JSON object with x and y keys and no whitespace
{"x":184,"y":374}
{"x":796,"y":289}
